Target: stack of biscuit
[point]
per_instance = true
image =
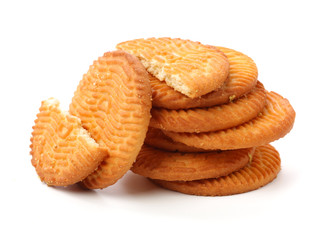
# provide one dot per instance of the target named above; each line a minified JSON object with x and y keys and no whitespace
{"x":192,"y":118}
{"x":212,"y":120}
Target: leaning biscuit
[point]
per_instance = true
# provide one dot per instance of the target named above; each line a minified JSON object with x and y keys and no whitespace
{"x":189,"y":67}
{"x":157,"y":139}
{"x":274,"y":122}
{"x":63,"y":153}
{"x":242,"y":78}
{"x":263,"y":169}
{"x":174,"y":166}
{"x":213,"y":118}
{"x":113,"y":101}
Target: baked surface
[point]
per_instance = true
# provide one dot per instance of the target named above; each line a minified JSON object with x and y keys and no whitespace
{"x":113,"y":101}
{"x":157,"y":139}
{"x":274,"y":122}
{"x":174,"y":166}
{"x":263,"y":169}
{"x":190,"y":68}
{"x":213,"y":118}
{"x":242,"y":78}
{"x":63,"y":153}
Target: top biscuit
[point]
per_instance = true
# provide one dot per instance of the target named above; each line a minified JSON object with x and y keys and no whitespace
{"x":243,"y":75}
{"x":189,"y":67}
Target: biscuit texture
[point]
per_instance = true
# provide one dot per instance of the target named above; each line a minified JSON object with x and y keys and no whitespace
{"x":113,"y":101}
{"x":242,"y":78}
{"x":263,"y":169}
{"x":63,"y":153}
{"x":274,"y":122}
{"x":191,"y":68}
{"x":157,"y":139}
{"x":213,"y":118}
{"x":175,"y":166}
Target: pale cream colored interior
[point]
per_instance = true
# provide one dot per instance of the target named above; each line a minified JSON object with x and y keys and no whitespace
{"x":80,"y":131}
{"x":174,"y":81}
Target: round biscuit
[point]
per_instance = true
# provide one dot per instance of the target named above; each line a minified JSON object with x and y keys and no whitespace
{"x":189,"y":67}
{"x":113,"y":101}
{"x":274,"y":122}
{"x":242,"y":78}
{"x":215,"y":118}
{"x":263,"y":169}
{"x":175,"y":166}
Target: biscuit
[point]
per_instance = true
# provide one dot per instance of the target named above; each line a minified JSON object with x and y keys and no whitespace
{"x":213,"y":118}
{"x":242,"y":78}
{"x":113,"y":101}
{"x":263,"y":169}
{"x":157,"y":139}
{"x":174,"y":166}
{"x":63,"y":153}
{"x":274,"y":122}
{"x":189,"y":67}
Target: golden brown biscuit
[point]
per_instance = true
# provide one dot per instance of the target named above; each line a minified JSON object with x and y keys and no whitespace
{"x":243,"y":75}
{"x":63,"y":153}
{"x":263,"y":169}
{"x":113,"y":101}
{"x":189,"y":67}
{"x":213,"y":118}
{"x":274,"y":122}
{"x":157,"y":139}
{"x":174,"y":166}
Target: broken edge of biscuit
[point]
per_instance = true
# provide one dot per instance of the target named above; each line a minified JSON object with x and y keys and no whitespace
{"x":63,"y":152}
{"x":200,"y":68}
{"x":81,"y":132}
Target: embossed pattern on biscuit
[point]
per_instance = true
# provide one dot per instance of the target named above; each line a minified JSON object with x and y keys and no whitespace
{"x":274,"y":122}
{"x":242,"y":78}
{"x":191,"y":68}
{"x":213,"y":118}
{"x":174,"y":166}
{"x":157,"y":139}
{"x":63,"y":153}
{"x":113,"y":101}
{"x":263,"y":169}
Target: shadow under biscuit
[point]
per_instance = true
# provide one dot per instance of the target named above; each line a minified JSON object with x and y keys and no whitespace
{"x":131,"y":184}
{"x":76,"y":189}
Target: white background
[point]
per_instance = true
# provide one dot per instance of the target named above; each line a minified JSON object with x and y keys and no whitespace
{"x":45,"y":48}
